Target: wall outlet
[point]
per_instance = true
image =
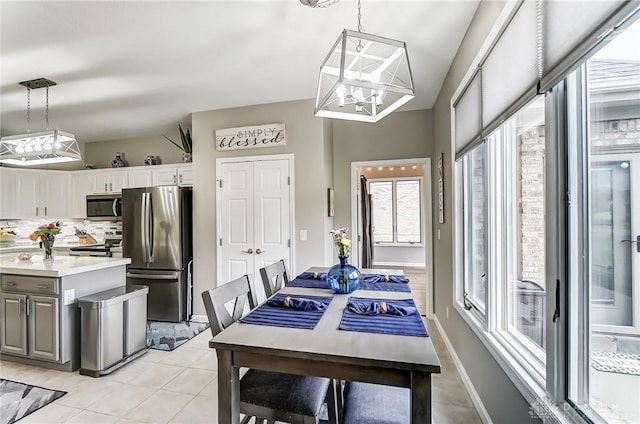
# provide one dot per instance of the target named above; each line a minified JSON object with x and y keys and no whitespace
{"x":69,"y":297}
{"x":303,"y":235}
{"x":446,"y":311}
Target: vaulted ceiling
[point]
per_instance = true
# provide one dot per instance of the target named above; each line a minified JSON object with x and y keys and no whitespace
{"x":136,"y":68}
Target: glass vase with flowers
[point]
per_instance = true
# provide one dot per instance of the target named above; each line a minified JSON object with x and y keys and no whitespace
{"x":46,"y":234}
{"x":343,"y":277}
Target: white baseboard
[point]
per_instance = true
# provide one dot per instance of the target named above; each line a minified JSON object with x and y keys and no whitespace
{"x":473,"y":394}
{"x":412,"y":264}
{"x":199,"y":318}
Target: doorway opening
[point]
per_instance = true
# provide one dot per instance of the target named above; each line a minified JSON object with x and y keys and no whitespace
{"x":391,"y":221}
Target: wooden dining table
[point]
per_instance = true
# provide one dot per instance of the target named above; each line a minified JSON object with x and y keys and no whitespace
{"x":326,"y":351}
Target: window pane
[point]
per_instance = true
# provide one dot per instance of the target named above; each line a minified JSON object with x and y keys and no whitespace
{"x":605,"y":344}
{"x":476,"y":227}
{"x":408,"y":211}
{"x":524,"y":142}
{"x":382,"y":211}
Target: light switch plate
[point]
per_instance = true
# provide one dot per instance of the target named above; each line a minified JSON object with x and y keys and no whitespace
{"x":303,"y":235}
{"x":69,"y":296}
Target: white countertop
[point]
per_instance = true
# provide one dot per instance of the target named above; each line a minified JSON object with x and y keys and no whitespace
{"x":61,"y":266}
{"x":35,"y":247}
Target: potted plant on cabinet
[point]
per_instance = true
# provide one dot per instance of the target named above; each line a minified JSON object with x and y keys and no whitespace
{"x":185,"y":137}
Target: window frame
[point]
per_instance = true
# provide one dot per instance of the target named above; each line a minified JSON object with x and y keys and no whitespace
{"x":394,"y":211}
{"x":465,"y":174}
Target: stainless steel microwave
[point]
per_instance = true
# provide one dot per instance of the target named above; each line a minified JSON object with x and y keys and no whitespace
{"x":102,"y":207}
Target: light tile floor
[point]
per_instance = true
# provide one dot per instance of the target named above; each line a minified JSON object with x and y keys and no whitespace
{"x":181,"y":387}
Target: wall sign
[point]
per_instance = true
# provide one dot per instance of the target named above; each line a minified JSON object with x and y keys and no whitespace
{"x":268,"y":135}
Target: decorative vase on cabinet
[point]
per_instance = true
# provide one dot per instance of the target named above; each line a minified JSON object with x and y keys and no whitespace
{"x":118,"y":162}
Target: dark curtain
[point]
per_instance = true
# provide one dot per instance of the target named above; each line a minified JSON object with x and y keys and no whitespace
{"x":367,"y":224}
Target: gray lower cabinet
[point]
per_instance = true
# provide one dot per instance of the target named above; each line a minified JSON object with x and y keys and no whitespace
{"x":13,"y":333}
{"x":30,"y":322}
{"x":44,"y":331}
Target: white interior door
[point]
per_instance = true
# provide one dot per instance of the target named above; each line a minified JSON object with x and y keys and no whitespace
{"x":255,"y":218}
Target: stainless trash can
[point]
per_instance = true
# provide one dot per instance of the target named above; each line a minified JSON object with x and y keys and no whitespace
{"x":113,"y":329}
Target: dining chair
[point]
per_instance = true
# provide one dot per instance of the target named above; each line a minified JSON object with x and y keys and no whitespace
{"x":376,"y":404}
{"x":274,"y":277}
{"x":267,"y":395}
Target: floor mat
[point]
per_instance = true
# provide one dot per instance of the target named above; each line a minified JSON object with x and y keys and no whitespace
{"x":17,"y":400}
{"x":619,"y":363}
{"x":170,"y":335}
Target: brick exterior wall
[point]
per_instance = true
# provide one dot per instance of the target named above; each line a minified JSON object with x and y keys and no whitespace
{"x":604,"y":134}
{"x":531,"y":193}
{"x":620,"y":133}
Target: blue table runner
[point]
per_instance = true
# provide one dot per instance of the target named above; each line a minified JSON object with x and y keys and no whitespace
{"x":308,"y":283}
{"x":392,"y":287}
{"x":410,"y":325}
{"x":312,"y":283}
{"x":286,"y":317}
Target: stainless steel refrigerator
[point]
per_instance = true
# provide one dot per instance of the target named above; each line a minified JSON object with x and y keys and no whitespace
{"x":157,"y":236}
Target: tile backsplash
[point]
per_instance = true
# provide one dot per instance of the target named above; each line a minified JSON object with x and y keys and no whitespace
{"x":98,"y":229}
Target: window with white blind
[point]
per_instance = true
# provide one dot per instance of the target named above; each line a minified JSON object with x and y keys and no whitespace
{"x":547,"y":239}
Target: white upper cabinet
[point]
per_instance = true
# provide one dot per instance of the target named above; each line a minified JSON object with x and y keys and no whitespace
{"x":7,"y":193}
{"x":109,"y":181}
{"x":185,"y":175}
{"x":38,"y":193}
{"x":79,"y":188}
{"x":53,"y":195}
{"x":180,"y":175}
{"x":165,"y":176}
{"x":34,"y":194}
{"x":139,"y":178}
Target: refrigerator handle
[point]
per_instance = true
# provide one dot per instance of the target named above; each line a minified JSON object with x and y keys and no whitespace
{"x":189,"y":290}
{"x":143,"y":227}
{"x":114,"y":207}
{"x":150,"y":239}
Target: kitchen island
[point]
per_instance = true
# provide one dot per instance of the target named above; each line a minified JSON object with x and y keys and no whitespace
{"x":40,"y":321}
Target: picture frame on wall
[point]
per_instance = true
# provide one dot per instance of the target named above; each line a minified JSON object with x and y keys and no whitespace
{"x":330,"y":200}
{"x":441,"y":188}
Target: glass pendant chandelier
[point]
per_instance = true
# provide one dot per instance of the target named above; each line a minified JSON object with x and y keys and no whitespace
{"x":39,"y":148}
{"x":364,"y":77}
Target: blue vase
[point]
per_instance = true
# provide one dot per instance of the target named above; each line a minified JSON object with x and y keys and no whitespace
{"x":343,"y":277}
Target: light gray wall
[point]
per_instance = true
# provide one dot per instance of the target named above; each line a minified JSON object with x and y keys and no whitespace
{"x":306,"y":139}
{"x":399,"y":255}
{"x":401,"y":135}
{"x":100,"y":154}
{"x":502,"y":400}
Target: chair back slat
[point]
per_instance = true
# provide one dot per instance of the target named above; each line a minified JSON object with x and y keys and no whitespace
{"x":274,"y":277}
{"x":240,"y":291}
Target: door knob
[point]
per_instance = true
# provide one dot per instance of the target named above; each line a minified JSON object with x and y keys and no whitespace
{"x":258,"y":251}
{"x":249,"y":251}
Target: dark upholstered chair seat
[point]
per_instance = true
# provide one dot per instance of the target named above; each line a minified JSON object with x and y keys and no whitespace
{"x":376,"y":404}
{"x":284,"y":392}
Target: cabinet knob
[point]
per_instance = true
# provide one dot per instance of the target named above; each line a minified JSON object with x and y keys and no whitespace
{"x":45,"y":211}
{"x":110,"y":186}
{"x":105,"y":187}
